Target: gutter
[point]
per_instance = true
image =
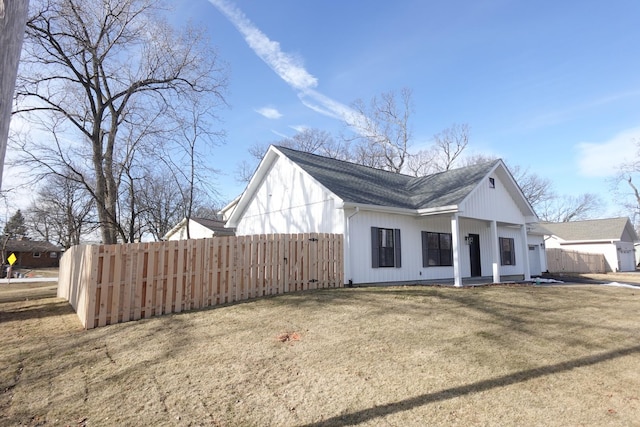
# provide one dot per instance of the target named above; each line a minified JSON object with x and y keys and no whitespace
{"x":402,"y":211}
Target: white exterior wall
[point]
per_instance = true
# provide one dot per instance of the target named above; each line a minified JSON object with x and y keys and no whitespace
{"x":626,"y":256}
{"x":290,"y":201}
{"x":411,"y":247}
{"x":492,"y":204}
{"x":537,"y":243}
{"x":196,"y":231}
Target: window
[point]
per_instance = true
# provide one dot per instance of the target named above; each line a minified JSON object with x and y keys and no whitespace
{"x":436,"y":249}
{"x":492,"y":183}
{"x":53,"y":254}
{"x":36,"y":254}
{"x":507,"y":251}
{"x":385,"y":247}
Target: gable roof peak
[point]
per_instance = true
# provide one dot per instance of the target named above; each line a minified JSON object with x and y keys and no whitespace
{"x":359,"y":184}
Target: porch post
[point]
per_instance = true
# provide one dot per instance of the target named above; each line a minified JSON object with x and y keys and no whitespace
{"x":525,"y":252}
{"x":495,"y":252}
{"x":455,"y":237}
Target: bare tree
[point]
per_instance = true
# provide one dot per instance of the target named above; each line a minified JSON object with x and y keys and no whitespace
{"x":94,"y":67}
{"x":62,"y":213}
{"x":449,"y":145}
{"x":310,"y":140}
{"x":625,"y":186}
{"x":194,"y":135}
{"x":162,"y":203}
{"x":444,"y":153}
{"x":383,"y":131}
{"x":570,"y":208}
{"x":536,"y":189}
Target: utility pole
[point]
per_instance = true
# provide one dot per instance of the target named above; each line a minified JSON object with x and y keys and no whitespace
{"x":13,"y":19}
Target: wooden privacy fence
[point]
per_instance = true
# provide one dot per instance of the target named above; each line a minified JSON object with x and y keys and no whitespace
{"x":108,"y":284}
{"x":563,"y":261}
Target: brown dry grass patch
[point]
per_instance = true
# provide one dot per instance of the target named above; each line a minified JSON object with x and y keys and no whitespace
{"x":369,"y":356}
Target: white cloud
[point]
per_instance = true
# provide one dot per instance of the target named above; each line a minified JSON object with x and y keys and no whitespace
{"x":280,"y":134}
{"x":299,"y":128}
{"x":269,"y":112}
{"x":601,"y":159}
{"x":287,"y":66}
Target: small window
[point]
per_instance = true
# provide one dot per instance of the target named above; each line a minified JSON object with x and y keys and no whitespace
{"x":507,"y":251}
{"x":36,"y":254}
{"x":437,"y":249}
{"x":385,"y":247}
{"x":53,"y":254}
{"x":492,"y":183}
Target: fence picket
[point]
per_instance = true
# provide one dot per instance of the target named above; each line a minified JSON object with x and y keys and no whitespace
{"x":118,"y":283}
{"x":564,"y":261}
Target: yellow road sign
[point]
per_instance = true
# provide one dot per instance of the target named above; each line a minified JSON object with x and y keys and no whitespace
{"x":12,"y":258}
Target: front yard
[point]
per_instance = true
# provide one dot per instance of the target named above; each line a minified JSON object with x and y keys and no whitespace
{"x":497,"y":355}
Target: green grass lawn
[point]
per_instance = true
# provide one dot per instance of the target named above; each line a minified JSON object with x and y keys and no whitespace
{"x":498,"y":355}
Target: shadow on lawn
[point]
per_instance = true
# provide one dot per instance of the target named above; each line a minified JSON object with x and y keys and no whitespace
{"x":36,"y":309}
{"x":450,"y":393}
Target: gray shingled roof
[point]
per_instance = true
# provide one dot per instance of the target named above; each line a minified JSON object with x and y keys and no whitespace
{"x":589,"y":230}
{"x":364,"y":185}
{"x":31,"y":246}
{"x":214,"y":225}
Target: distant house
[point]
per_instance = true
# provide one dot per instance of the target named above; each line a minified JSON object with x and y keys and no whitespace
{"x":464,"y":223}
{"x":33,"y":253}
{"x":612,"y":237}
{"x":199,"y":228}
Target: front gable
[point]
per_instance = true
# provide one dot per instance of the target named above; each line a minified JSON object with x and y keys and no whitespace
{"x":283,"y":198}
{"x":498,"y":197}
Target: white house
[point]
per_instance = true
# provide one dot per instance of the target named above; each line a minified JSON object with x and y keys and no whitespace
{"x":199,"y":228}
{"x":612,"y":237}
{"x":463,"y":223}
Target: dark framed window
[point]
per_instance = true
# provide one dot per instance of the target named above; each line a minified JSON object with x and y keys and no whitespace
{"x":36,"y":254}
{"x":385,"y":247}
{"x":507,"y":251}
{"x":492,"y":183}
{"x":437,"y":249}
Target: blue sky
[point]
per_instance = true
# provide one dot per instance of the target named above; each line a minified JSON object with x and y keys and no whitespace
{"x":553,"y":86}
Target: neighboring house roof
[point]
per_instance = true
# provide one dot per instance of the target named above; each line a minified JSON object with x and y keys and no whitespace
{"x":359,"y":184}
{"x":215,"y":225}
{"x":226,"y":211}
{"x":609,"y":229}
{"x":539,"y":230}
{"x":31,"y":246}
{"x":212,"y":224}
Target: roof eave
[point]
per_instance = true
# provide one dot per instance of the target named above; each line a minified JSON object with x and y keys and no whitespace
{"x":439,"y":210}
{"x":401,"y":211}
{"x":573,"y":242}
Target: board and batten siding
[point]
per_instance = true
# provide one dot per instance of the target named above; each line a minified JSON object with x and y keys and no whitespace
{"x":290,"y":201}
{"x":492,"y":203}
{"x":411,"y":240}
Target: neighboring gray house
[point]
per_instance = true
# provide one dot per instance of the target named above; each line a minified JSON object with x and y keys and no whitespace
{"x":612,"y":237}
{"x":464,"y":223}
{"x":199,"y":228}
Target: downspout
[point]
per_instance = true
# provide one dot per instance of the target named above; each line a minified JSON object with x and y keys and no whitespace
{"x":347,"y":257}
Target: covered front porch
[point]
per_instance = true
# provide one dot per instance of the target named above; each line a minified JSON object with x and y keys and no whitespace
{"x":484,"y":251}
